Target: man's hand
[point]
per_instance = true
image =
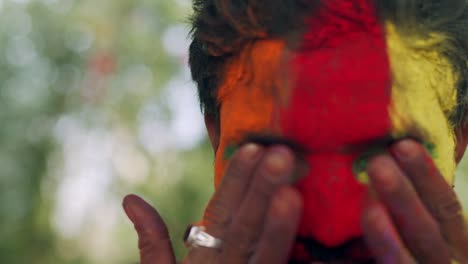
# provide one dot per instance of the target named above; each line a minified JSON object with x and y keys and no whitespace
{"x":416,"y":215}
{"x":254,"y":212}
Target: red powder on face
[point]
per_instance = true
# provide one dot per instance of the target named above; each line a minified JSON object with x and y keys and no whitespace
{"x":334,"y":100}
{"x":339,"y":99}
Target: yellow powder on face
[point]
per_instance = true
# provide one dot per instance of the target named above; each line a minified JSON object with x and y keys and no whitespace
{"x":423,"y":94}
{"x":248,"y":96}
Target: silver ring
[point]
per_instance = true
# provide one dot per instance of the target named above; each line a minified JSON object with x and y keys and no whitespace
{"x":195,"y":236}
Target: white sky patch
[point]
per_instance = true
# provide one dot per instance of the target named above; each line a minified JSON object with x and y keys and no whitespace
{"x":87,"y":174}
{"x":176,"y":40}
{"x":105,"y":217}
{"x":17,"y":22}
{"x":129,"y":163}
{"x":20,"y":51}
{"x":153,"y":131}
{"x":80,"y":38}
{"x":184,"y":3}
{"x":187,"y":124}
{"x":21,"y":1}
{"x":184,"y":129}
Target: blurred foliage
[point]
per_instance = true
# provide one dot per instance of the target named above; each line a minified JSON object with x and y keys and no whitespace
{"x":99,"y":64}
{"x":88,"y":93}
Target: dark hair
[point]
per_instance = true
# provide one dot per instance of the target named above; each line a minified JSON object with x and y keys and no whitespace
{"x":221,"y":28}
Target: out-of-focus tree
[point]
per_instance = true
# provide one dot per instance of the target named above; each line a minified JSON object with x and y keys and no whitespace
{"x":95,"y":102}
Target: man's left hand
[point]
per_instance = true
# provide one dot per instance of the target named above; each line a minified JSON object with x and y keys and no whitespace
{"x":416,"y":215}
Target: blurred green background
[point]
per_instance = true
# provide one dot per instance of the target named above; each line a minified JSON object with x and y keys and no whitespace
{"x":96,"y":102}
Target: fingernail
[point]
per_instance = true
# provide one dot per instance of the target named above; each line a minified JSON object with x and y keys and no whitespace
{"x":279,"y":159}
{"x":405,"y":149}
{"x":250,"y":151}
{"x":382,"y":172}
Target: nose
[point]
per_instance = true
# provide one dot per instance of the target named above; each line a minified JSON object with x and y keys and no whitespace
{"x":333,"y":199}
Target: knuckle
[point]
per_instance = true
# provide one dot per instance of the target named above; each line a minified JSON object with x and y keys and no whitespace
{"x":274,"y":231}
{"x":241,"y":239}
{"x":425,"y":249}
{"x":217,"y":213}
{"x":265,"y":183}
{"x":240,"y":166}
{"x":448,"y":208}
{"x":236,"y":170}
{"x":148,"y":241}
{"x":144,"y":244}
{"x":429,"y":241}
{"x":264,"y":188}
{"x":152,"y":233}
{"x":373,"y":223}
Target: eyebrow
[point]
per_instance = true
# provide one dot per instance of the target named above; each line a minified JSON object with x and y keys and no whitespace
{"x":268,"y":140}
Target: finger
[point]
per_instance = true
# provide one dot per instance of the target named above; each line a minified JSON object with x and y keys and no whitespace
{"x":275,"y":243}
{"x":153,"y":238}
{"x":232,"y":189}
{"x":414,"y":223}
{"x":226,"y":200}
{"x":435,"y":192}
{"x":382,"y":238}
{"x":274,"y":170}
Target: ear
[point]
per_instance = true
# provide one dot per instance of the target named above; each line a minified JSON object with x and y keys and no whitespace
{"x":212,"y":126}
{"x":462,"y":140}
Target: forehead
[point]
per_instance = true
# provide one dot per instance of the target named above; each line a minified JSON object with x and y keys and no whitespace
{"x":341,"y":64}
{"x":345,"y":54}
{"x":341,"y":80}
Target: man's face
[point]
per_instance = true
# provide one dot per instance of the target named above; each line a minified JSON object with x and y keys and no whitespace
{"x":353,"y":86}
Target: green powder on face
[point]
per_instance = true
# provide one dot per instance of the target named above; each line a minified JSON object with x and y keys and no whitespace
{"x":360,"y":165}
{"x":431,"y":148}
{"x":229,"y":151}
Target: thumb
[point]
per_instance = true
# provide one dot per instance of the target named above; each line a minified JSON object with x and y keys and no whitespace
{"x":153,"y":238}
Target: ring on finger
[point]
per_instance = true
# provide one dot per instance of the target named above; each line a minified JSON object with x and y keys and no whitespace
{"x":196,"y":236}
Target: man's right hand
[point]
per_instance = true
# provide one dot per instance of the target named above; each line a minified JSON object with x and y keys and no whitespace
{"x":254,"y":212}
